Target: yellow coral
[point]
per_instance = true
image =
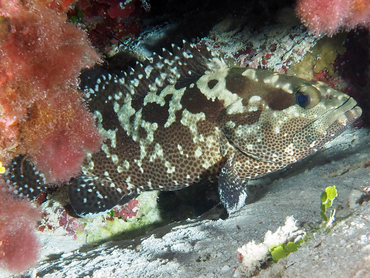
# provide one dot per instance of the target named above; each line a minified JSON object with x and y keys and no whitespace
{"x":2,"y":169}
{"x":321,"y":57}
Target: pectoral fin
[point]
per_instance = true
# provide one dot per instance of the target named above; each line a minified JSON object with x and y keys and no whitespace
{"x":232,"y":189}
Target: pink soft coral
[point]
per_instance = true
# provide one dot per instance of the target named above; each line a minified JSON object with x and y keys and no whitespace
{"x":19,"y":246}
{"x":41,"y":113}
{"x":69,"y":133}
{"x":330,"y":16}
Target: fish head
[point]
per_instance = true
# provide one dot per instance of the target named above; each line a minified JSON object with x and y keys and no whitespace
{"x":282,"y":119}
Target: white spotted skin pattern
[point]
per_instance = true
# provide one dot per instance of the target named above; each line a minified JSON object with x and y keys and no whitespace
{"x":225,"y":124}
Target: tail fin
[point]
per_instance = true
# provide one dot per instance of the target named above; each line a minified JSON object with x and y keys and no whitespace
{"x":24,"y":179}
{"x":93,"y":194}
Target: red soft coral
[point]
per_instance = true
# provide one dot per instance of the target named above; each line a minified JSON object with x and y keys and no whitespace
{"x":330,"y":16}
{"x":58,"y":143}
{"x":42,"y":49}
{"x":19,"y":246}
{"x":41,"y":113}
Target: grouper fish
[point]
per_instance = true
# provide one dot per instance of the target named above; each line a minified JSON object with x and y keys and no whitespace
{"x":184,"y":118}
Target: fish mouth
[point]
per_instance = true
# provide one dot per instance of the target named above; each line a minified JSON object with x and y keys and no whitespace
{"x":339,"y":119}
{"x":347,"y":113}
{"x":353,"y":114}
{"x":329,"y":125}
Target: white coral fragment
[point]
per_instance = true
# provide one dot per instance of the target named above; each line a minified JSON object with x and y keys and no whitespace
{"x":252,"y":255}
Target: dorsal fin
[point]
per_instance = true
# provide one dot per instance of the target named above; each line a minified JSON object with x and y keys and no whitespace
{"x":179,"y":66}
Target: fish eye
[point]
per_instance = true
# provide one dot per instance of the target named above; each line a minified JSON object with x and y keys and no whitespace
{"x":307,"y":96}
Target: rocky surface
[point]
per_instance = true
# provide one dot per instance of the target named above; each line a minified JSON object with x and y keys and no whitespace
{"x":208,"y":248}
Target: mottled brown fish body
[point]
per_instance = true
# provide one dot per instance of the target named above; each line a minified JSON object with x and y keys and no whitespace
{"x":168,"y":126}
{"x":187,"y":118}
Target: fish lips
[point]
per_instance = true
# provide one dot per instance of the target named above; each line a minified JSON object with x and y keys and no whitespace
{"x":328,"y":126}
